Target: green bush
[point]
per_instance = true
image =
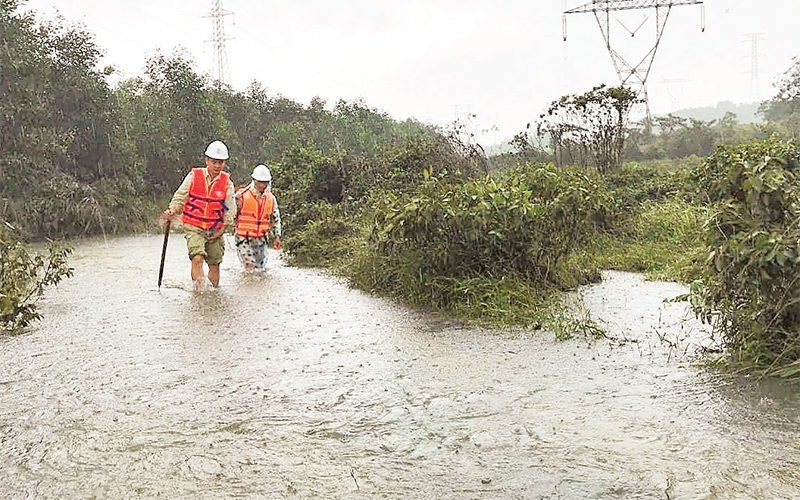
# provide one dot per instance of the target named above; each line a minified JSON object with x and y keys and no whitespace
{"x":662,"y":239}
{"x":454,"y":243}
{"x":636,"y":183}
{"x":750,"y":285}
{"x":327,"y":236}
{"x":24,"y":274}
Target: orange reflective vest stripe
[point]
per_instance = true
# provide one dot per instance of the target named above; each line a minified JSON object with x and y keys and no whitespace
{"x":254,"y":215}
{"x":205,"y":206}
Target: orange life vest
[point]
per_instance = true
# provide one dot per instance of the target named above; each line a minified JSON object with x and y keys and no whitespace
{"x":254,"y":215}
{"x":205,"y":205}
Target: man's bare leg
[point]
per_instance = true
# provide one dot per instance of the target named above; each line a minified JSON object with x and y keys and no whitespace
{"x":213,"y":274}
{"x":197,"y":268}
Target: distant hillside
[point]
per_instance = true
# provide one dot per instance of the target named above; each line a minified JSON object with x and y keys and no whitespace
{"x":745,"y":113}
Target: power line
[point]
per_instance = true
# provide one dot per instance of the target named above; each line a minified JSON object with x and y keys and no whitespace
{"x":633,"y":75}
{"x":675,"y":101}
{"x":692,"y":41}
{"x":220,"y":58}
{"x":753,"y":38}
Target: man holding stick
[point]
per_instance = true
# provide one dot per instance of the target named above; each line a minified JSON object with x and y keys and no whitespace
{"x":205,"y":199}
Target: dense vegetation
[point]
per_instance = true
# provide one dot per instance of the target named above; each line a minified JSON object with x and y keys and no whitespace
{"x":750,"y":284}
{"x":406,"y":209}
{"x":491,"y":247}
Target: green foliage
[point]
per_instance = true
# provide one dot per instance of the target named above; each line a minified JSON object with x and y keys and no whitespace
{"x":56,"y":167}
{"x":662,"y":238}
{"x":784,"y":108}
{"x":307,"y":177}
{"x":686,"y":136}
{"x":750,"y":283}
{"x":328,"y":238}
{"x":589,"y":129}
{"x":566,"y":319}
{"x":638,"y":182}
{"x":171,"y":114}
{"x":655,"y":225}
{"x":491,"y":245}
{"x":24,"y":274}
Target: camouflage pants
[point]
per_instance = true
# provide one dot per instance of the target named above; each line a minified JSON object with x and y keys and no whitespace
{"x":252,"y":251}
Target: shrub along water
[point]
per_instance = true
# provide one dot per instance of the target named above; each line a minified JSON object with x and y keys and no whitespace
{"x":24,"y":274}
{"x":750,"y":285}
{"x":655,"y":225}
{"x":496,"y":249}
{"x":501,"y":249}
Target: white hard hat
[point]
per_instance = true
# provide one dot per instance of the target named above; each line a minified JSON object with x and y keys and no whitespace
{"x":217,"y":150}
{"x":262,"y":174}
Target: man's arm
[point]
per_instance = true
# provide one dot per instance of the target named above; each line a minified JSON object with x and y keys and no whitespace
{"x":179,"y":198}
{"x":230,"y":202}
{"x":276,"y":227}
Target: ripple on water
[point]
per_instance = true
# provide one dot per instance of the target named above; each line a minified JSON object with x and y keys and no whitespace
{"x":287,"y":383}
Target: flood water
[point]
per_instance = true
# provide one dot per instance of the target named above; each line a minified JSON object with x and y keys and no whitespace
{"x":287,"y":384}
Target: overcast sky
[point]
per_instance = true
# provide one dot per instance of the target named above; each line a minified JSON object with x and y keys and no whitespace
{"x":502,"y":61}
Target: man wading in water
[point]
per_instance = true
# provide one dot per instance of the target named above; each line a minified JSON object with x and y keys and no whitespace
{"x":206,"y":200}
{"x":258,"y":216}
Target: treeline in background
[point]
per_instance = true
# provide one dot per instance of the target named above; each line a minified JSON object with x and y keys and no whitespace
{"x":410,"y":210}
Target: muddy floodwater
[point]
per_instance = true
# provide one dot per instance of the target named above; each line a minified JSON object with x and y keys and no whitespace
{"x":288,"y":384}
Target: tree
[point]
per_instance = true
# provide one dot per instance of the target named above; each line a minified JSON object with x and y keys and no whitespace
{"x":54,"y":136}
{"x":784,"y":107}
{"x":529,"y":148}
{"x":167,"y":118}
{"x":589,"y":129}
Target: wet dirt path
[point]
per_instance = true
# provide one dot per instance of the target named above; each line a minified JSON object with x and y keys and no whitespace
{"x":288,"y":384}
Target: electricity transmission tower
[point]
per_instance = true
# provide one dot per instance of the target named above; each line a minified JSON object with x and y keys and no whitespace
{"x":219,"y":66}
{"x":632,"y":75}
{"x":753,"y":38}
{"x":675,"y":101}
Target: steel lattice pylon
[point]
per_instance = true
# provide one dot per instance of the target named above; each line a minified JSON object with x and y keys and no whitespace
{"x":220,"y":60}
{"x":633,"y":76}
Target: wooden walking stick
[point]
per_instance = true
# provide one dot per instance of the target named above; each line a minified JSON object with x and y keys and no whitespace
{"x":163,"y":252}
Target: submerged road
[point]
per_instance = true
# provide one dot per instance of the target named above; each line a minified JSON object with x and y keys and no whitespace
{"x":288,"y":384}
